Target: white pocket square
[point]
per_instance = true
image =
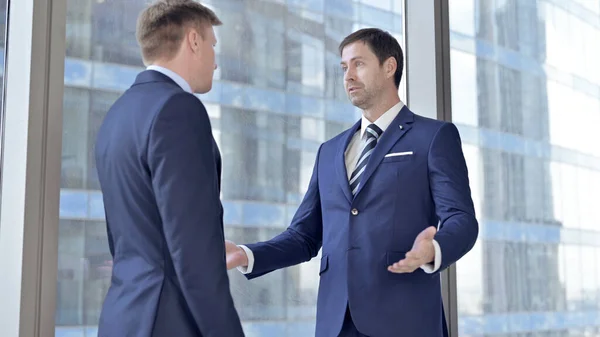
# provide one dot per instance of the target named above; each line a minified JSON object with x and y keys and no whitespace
{"x":396,"y":154}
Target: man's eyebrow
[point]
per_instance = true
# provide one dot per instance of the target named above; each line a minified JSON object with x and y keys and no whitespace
{"x":352,"y":59}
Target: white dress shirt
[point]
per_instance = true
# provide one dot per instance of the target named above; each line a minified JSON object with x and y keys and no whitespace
{"x":351,"y":157}
{"x":172,"y":75}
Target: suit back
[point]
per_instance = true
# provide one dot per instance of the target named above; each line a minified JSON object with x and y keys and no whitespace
{"x":146,"y":297}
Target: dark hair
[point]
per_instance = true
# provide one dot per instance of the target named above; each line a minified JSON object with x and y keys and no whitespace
{"x":382,"y":44}
{"x":161,"y":26}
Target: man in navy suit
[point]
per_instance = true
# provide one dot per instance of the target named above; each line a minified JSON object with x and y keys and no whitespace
{"x":159,"y":169}
{"x":378,"y":193}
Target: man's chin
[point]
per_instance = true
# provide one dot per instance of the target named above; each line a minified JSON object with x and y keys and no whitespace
{"x":203,"y":90}
{"x":357,"y":102}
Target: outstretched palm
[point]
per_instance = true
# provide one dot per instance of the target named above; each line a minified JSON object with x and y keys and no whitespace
{"x":422,"y":252}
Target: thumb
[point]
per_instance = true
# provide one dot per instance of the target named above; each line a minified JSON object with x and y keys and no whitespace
{"x":230,"y":246}
{"x":429,"y":233}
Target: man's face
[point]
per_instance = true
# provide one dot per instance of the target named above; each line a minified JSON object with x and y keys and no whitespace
{"x":204,"y":60}
{"x":364,"y":77}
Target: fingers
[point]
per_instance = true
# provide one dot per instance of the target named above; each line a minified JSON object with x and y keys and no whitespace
{"x":410,"y":263}
{"x":402,"y":266}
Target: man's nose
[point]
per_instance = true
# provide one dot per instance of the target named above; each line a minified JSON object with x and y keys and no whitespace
{"x":349,"y":75}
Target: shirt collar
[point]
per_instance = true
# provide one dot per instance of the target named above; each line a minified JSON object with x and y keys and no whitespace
{"x":384,"y":120}
{"x":172,"y":75}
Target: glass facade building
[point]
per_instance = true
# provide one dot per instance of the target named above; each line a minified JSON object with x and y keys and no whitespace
{"x":526,"y":99}
{"x":525,"y":95}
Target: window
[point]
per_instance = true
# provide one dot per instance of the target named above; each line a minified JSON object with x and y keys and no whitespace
{"x":527,"y":115}
{"x":3,"y":21}
{"x":277,"y":96}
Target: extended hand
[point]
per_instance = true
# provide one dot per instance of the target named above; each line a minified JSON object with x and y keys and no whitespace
{"x":421,"y":253}
{"x":236,"y":256}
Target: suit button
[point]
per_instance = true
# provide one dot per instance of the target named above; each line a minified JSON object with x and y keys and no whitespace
{"x":354,"y":211}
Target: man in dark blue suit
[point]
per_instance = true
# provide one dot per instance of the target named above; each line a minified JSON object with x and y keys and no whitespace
{"x":389,"y":203}
{"x":159,"y":169}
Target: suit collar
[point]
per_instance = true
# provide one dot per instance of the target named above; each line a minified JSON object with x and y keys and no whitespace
{"x":173,"y":76}
{"x":397,"y":129}
{"x":152,"y":76}
{"x":384,"y":121}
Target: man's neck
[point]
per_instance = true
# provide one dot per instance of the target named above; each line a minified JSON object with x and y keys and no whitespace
{"x":173,"y":66}
{"x":373,"y":113}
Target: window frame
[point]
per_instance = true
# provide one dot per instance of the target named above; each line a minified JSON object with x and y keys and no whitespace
{"x":34,"y":78}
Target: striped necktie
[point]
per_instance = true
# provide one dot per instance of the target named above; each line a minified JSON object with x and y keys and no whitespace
{"x":372,"y":134}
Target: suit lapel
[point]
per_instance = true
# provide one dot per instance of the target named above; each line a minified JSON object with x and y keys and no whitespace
{"x":340,"y":161}
{"x":397,"y":129}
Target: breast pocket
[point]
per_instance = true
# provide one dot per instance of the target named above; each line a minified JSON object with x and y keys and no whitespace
{"x":398,"y":156}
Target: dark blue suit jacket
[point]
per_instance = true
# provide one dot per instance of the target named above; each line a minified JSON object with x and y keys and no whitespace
{"x":399,"y":197}
{"x":159,"y":169}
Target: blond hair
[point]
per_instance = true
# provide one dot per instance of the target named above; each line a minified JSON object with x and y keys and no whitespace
{"x":161,"y":27}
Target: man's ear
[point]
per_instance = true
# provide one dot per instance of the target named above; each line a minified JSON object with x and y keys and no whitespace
{"x":390,"y":65}
{"x":193,"y":39}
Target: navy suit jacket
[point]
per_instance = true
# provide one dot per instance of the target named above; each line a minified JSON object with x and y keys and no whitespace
{"x":159,"y":169}
{"x":362,"y":235}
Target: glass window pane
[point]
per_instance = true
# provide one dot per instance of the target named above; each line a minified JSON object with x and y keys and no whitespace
{"x":3,"y":26}
{"x":278,"y":94}
{"x":525,"y":95}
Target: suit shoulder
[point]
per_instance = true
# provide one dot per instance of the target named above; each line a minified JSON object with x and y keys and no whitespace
{"x":334,"y":140}
{"x":433,"y":125}
{"x":429,"y":122}
{"x":159,"y":93}
{"x":177,"y":97}
{"x":178,"y":101}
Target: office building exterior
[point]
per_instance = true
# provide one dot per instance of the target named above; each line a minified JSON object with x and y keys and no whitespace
{"x":525,"y":92}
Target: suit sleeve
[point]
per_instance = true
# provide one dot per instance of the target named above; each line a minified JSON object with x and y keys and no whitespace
{"x":302,"y":239}
{"x":185,"y":182}
{"x":449,"y":183}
